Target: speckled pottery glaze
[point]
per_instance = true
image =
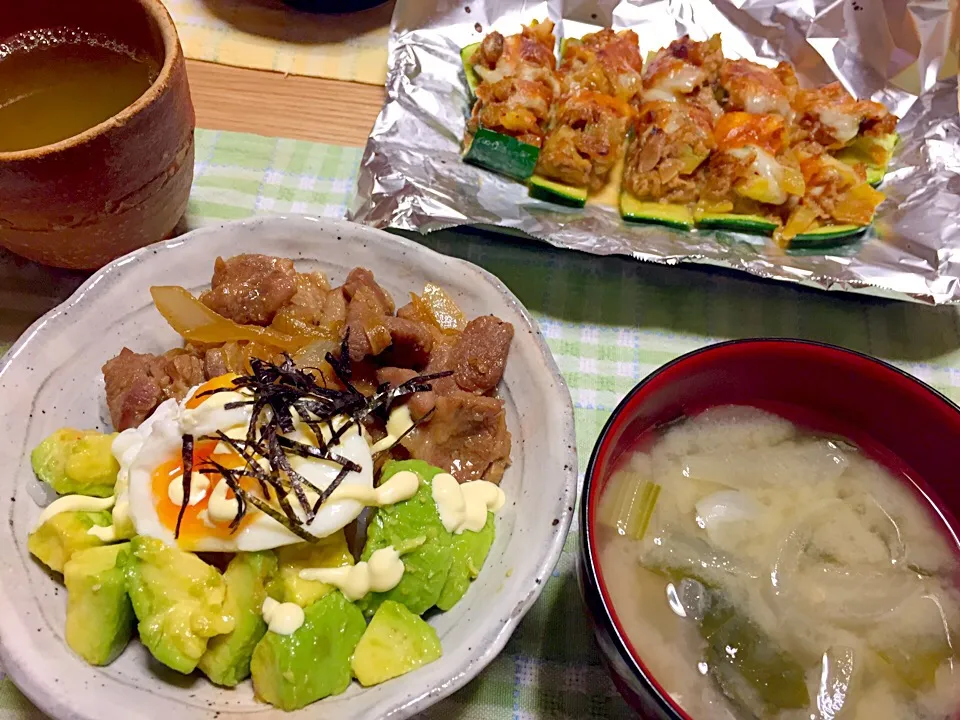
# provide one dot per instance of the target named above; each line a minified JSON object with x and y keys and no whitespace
{"x":51,"y":378}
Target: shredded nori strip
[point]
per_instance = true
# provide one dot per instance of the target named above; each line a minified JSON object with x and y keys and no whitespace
{"x":324,"y":496}
{"x":278,"y":391}
{"x":186,"y":457}
{"x":243,"y":497}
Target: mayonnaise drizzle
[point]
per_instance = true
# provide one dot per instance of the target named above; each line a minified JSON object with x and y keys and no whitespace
{"x":398,"y":424}
{"x":381,"y":573}
{"x":282,"y":618}
{"x":465,"y":506}
{"x":106,"y":533}
{"x":399,"y":487}
{"x":220,"y":509}
{"x":199,"y":484}
{"x":75,"y":503}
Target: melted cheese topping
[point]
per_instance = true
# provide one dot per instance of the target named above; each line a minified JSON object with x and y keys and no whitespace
{"x":766,"y":181}
{"x":654,"y":94}
{"x":282,"y":618}
{"x":465,"y":506}
{"x":843,"y":126}
{"x":760,"y":103}
{"x":685,"y":79}
{"x":381,"y":573}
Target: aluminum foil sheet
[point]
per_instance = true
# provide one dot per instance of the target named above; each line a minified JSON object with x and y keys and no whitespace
{"x":902,"y":53}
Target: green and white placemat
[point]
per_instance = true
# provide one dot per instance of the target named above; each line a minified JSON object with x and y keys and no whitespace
{"x":608,"y":321}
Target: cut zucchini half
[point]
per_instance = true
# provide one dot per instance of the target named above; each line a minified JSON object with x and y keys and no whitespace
{"x":874,"y":152}
{"x":827,"y":236}
{"x":875,"y":176}
{"x":473,"y":79}
{"x":543,"y":188}
{"x":751,"y":224}
{"x":675,"y":216}
{"x":502,"y":154}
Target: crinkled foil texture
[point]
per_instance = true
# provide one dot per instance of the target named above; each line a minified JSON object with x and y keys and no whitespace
{"x":902,"y":53}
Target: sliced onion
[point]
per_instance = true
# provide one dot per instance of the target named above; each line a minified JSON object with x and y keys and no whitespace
{"x":848,"y":596}
{"x":440,"y":308}
{"x":822,"y":461}
{"x":837,"y":669}
{"x":195,"y":322}
{"x":723,"y":507}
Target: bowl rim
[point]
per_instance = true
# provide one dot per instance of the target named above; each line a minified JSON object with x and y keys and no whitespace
{"x":609,"y":619}
{"x":158,"y":14}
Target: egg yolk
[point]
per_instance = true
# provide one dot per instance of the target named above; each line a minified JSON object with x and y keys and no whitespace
{"x":193,"y":525}
{"x":217,"y":383}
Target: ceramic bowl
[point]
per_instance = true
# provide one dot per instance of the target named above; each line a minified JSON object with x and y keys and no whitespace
{"x":120,"y":185}
{"x":892,"y":416}
{"x":51,"y":378}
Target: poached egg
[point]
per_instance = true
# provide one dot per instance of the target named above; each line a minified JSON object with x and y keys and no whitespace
{"x":150,"y":482}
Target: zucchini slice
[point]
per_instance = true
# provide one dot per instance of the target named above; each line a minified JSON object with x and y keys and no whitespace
{"x":473,"y":79}
{"x":875,"y":176}
{"x":751,"y":224}
{"x":874,"y":152}
{"x":675,"y":216}
{"x":543,"y":188}
{"x":502,"y":154}
{"x":827,"y":236}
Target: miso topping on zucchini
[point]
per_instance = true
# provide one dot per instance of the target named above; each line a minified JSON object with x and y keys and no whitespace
{"x":514,"y":95}
{"x":600,"y":82}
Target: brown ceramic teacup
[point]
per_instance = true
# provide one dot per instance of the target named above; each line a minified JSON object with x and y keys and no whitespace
{"x":119,"y":185}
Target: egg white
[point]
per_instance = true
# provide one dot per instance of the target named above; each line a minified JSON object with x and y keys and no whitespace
{"x":141,"y":450}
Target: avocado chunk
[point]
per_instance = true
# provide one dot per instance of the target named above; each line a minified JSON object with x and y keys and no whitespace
{"x":227,"y":659}
{"x":291,"y":671}
{"x":288,"y":586}
{"x":412,"y":523}
{"x":54,"y":542}
{"x":99,"y":614}
{"x":396,"y":642}
{"x":178,"y":600}
{"x":470,"y":549}
{"x":77,"y":461}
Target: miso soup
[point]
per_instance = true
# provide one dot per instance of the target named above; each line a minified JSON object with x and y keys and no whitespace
{"x":761,"y":571}
{"x":56,"y":83}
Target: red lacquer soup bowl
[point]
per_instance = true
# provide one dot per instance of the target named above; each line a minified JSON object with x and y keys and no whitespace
{"x":893,"y":417}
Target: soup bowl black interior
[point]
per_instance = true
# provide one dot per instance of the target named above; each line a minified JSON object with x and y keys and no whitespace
{"x":893,"y":417}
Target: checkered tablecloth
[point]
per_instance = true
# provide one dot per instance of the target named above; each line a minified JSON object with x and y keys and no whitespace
{"x":608,"y":321}
{"x":268,"y":35}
